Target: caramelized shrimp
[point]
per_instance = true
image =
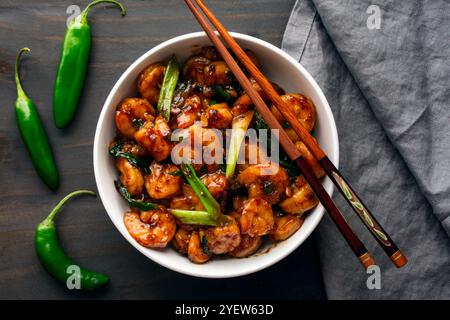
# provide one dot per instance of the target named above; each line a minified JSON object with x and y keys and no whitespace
{"x":247,"y":247}
{"x":155,"y":138}
{"x":210,"y":53}
{"x":151,"y":229}
{"x":218,"y":73}
{"x":181,"y":240}
{"x":219,"y":116}
{"x":312,"y":162}
{"x":244,"y":102}
{"x":187,"y":201}
{"x":223,"y":239}
{"x":260,"y":184}
{"x":216,"y":183}
{"x":195,"y":249}
{"x":131,"y":147}
{"x":285,"y":226}
{"x":304,"y":110}
{"x":257,"y":217}
{"x":131,"y":113}
{"x":194,"y":68}
{"x":189,"y":111}
{"x":302,"y":200}
{"x":150,"y":81}
{"x":130,"y":176}
{"x":161,"y":183}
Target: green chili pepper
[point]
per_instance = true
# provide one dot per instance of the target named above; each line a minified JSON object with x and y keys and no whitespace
{"x":168,"y":88}
{"x":51,"y":253}
{"x":33,"y":133}
{"x":73,"y":66}
{"x":138,"y":204}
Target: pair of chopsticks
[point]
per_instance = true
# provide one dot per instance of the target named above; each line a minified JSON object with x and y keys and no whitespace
{"x":352,"y":198}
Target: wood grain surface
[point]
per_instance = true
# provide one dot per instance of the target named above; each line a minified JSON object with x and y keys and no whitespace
{"x":84,"y":227}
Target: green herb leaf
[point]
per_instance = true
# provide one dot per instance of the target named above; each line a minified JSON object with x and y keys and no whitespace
{"x":141,"y":164}
{"x":138,"y":204}
{"x":221,"y":92}
{"x":204,"y":243}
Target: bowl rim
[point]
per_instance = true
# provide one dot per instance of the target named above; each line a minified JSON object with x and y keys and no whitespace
{"x":97,"y":149}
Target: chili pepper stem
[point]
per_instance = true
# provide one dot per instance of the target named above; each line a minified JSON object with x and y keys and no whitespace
{"x":49,"y":220}
{"x":94,"y":3}
{"x":20,"y":92}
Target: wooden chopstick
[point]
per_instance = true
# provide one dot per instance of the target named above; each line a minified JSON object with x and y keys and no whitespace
{"x":371,"y":223}
{"x":355,"y":244}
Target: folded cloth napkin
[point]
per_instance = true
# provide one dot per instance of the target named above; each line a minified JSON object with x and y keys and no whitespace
{"x":384,"y":67}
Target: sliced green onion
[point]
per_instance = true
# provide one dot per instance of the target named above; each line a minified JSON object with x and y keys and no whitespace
{"x":239,"y":127}
{"x":193,"y":217}
{"x":211,"y":205}
{"x":168,"y":88}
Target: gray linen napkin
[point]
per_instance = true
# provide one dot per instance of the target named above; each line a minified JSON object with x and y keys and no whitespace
{"x":389,"y":92}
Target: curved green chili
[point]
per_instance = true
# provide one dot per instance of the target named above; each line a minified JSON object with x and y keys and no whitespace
{"x":51,"y":253}
{"x":33,"y":133}
{"x":72,"y":66}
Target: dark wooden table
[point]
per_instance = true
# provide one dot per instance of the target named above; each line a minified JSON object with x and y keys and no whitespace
{"x":84,"y":227}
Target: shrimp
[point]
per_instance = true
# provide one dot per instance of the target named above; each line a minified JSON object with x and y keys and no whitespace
{"x":244,"y":102}
{"x":218,"y":73}
{"x":155,"y":138}
{"x":302,"y":200}
{"x":261,"y":184}
{"x":256,"y":218}
{"x":216,"y":183}
{"x":195,"y":249}
{"x":150,"y":81}
{"x":302,"y":107}
{"x":181,"y":240}
{"x":131,"y":147}
{"x":285,"y":226}
{"x":189,"y":111}
{"x":130,"y":176}
{"x":312,"y":162}
{"x":194,"y":68}
{"x":247,"y":247}
{"x":131,"y":113}
{"x":151,"y":229}
{"x":219,"y":116}
{"x":210,"y":53}
{"x":187,"y":201}
{"x":161,"y":182}
{"x":223,"y":239}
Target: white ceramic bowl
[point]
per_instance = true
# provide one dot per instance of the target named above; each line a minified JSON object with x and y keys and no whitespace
{"x":278,"y":67}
